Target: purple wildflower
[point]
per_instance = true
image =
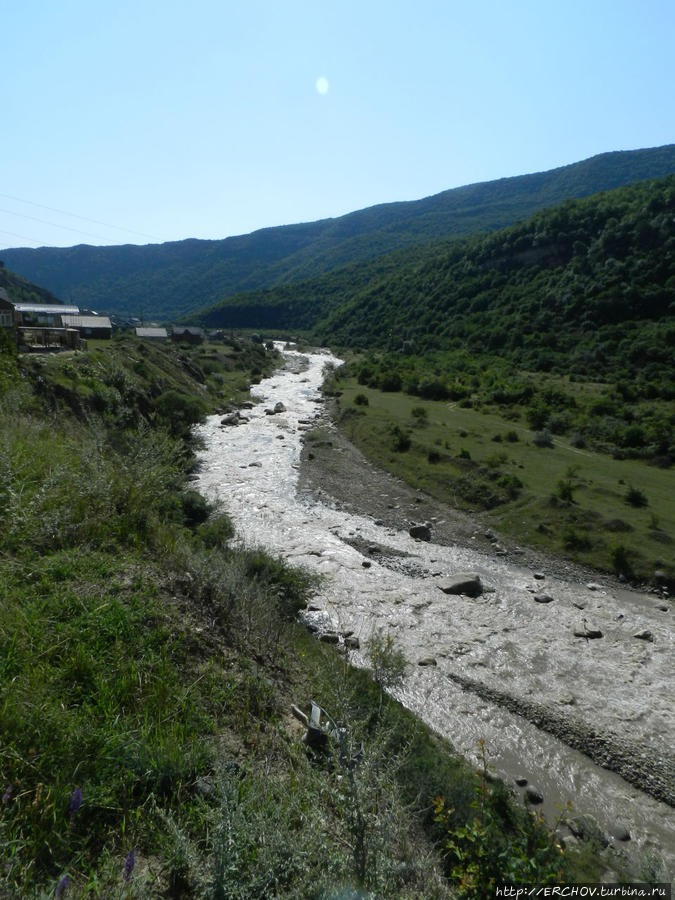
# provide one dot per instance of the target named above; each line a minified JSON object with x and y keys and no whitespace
{"x":7,"y":796}
{"x":75,"y":802}
{"x":61,"y":886}
{"x":129,"y":864}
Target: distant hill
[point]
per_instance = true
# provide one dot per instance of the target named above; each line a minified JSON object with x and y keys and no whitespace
{"x":168,"y":280}
{"x":21,"y":291}
{"x":587,"y":286}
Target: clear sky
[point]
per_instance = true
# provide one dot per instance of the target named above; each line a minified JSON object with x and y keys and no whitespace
{"x":141,"y":121}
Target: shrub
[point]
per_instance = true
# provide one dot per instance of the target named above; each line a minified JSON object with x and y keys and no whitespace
{"x":512,"y":437}
{"x":621,"y":561}
{"x":402,"y":440}
{"x":361,"y":400}
{"x":196,"y":508}
{"x":574,"y":540}
{"x":433,"y":456}
{"x":390,"y":382}
{"x":419,"y":412}
{"x":635,"y":497}
{"x":542,"y":439}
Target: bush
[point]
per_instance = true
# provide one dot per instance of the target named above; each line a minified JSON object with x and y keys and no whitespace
{"x":542,"y":439}
{"x":179,"y":412}
{"x":361,"y":400}
{"x":635,"y":497}
{"x":402,"y":440}
{"x":196,"y":508}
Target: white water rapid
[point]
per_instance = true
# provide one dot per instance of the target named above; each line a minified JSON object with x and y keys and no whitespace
{"x":618,"y":686}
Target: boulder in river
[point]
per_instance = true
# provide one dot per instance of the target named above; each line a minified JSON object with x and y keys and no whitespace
{"x":644,"y":635}
{"x":585,"y":630}
{"x":467,"y":583}
{"x":230,"y":419}
{"x":543,"y":598}
{"x":533,"y":796}
{"x":279,"y":407}
{"x":427,"y":661}
{"x":421,"y":532}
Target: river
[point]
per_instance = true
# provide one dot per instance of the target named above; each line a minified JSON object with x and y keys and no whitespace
{"x":496,"y":656}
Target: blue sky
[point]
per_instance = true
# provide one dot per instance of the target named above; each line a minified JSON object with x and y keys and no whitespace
{"x":145,"y":121}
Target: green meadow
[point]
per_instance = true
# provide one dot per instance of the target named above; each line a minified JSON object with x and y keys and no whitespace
{"x":535,"y":488}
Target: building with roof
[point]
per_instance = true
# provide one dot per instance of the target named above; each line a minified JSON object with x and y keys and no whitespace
{"x":6,"y":310}
{"x":90,"y":326}
{"x":153,"y":334}
{"x":188,"y":335}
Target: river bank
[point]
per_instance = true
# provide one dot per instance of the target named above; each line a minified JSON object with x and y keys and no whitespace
{"x":504,"y":667}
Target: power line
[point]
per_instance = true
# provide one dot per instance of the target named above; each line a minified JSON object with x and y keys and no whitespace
{"x":53,"y":224}
{"x":82,"y":218}
{"x":22,"y":236}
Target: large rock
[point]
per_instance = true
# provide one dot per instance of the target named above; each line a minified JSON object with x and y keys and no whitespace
{"x":279,"y":407}
{"x":230,"y":419}
{"x":543,"y":598}
{"x":421,"y":532}
{"x":588,"y":631}
{"x":467,"y":583}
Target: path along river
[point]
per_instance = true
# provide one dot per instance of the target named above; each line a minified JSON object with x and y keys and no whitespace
{"x":508,"y":669}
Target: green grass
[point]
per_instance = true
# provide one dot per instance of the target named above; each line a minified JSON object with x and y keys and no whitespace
{"x":477,"y":459}
{"x":147,"y":670}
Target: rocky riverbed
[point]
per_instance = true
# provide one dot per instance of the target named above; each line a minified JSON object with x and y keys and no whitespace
{"x":580,"y":718}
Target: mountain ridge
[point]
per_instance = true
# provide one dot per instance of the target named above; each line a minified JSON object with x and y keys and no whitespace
{"x":174,"y":278}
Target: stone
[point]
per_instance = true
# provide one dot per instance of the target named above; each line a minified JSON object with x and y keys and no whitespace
{"x":467,"y":583}
{"x":592,"y":586}
{"x":521,"y":781}
{"x":590,"y":632}
{"x":539,"y":576}
{"x":330,"y":637}
{"x":231,"y":419}
{"x":421,"y":532}
{"x":644,"y":635}
{"x":255,"y":465}
{"x":427,"y":661}
{"x":533,"y":796}
{"x":279,"y":407}
{"x":543,"y":598}
{"x":352,"y":643}
{"x":366,"y":564}
{"x":620,"y":833}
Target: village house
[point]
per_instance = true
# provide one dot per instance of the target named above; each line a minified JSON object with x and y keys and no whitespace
{"x":187,"y":335}
{"x":152,"y":334}
{"x":90,"y":326}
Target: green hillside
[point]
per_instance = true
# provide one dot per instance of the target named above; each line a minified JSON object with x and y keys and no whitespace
{"x":167,"y":280}
{"x":21,"y":291}
{"x":148,"y":666}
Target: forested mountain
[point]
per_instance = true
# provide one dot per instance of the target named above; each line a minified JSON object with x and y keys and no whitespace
{"x":587,"y":283}
{"x":166,"y":280}
{"x":21,"y":291}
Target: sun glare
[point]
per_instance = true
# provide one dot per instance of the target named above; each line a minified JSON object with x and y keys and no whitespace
{"x":322,"y":85}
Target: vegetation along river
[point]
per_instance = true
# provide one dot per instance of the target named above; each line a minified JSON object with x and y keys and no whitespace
{"x":586,"y":720}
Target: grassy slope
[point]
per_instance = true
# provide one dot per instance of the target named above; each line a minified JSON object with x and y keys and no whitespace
{"x":147,"y":671}
{"x":588,"y":528}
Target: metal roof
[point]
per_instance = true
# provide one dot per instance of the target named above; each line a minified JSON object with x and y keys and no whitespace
{"x":87,"y":321}
{"x":55,"y":309}
{"x":152,"y":332}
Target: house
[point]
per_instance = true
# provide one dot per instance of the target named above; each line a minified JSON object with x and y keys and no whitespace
{"x":47,"y":315}
{"x":40,"y":326}
{"x":90,"y":326}
{"x":6,"y":310}
{"x":153,"y":334}
{"x":187,"y":335}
